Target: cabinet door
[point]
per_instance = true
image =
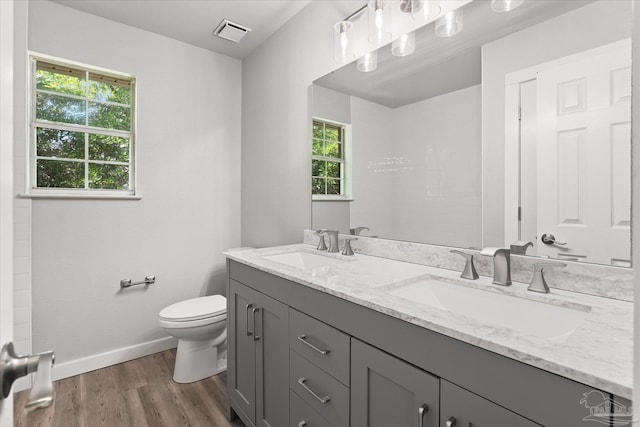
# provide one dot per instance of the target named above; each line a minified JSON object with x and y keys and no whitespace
{"x":241,"y":360}
{"x":461,"y":408}
{"x":386,"y":391}
{"x":272,"y":356}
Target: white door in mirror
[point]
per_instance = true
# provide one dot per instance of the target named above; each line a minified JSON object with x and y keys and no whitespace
{"x":584,"y":160}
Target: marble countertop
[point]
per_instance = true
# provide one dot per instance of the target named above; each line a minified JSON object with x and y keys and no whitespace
{"x":598,"y":353}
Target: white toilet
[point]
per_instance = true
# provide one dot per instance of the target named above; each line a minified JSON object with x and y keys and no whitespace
{"x":200,"y":324}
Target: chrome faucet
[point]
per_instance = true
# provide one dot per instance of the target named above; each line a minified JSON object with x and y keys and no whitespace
{"x":356,"y":231}
{"x":333,"y":240}
{"x":501,"y":265}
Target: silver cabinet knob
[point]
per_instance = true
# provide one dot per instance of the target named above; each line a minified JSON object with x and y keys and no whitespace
{"x":422,"y":409}
{"x":451,"y":422}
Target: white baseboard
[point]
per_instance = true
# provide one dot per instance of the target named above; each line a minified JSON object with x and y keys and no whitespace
{"x":113,"y":357}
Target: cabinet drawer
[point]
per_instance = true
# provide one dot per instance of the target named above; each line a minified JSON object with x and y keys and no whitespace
{"x":320,"y":391}
{"x":302,"y":415}
{"x":321,"y":344}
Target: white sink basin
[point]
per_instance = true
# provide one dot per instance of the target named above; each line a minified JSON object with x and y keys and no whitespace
{"x":304,"y":260}
{"x":522,"y":315}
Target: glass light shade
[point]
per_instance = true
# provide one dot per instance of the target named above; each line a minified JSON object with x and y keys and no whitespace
{"x":450,"y":23}
{"x":505,"y":5}
{"x":342,"y":45}
{"x":368,"y":62}
{"x":430,"y":9}
{"x":379,"y":21}
{"x":404,"y":45}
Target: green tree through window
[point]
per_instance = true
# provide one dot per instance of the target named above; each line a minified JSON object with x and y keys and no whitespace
{"x":327,"y":160}
{"x":82,"y":128}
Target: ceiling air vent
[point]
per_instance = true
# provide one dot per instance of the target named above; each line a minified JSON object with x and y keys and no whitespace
{"x":230,"y":31}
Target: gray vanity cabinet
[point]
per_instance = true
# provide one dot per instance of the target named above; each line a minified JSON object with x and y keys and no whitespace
{"x":461,"y":408}
{"x":258,"y":355}
{"x":386,"y":391}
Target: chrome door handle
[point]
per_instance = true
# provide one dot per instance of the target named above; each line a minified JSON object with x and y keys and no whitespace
{"x":13,"y":367}
{"x":303,"y":338}
{"x":302,"y":382}
{"x":256,"y":337}
{"x":451,"y":422}
{"x":550,"y":239}
{"x":248,"y":307}
{"x":422,"y":409}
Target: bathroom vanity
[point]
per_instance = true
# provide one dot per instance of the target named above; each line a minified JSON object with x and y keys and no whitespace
{"x":318,"y":339}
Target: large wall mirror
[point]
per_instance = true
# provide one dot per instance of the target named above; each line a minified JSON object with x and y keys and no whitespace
{"x":518,"y":128}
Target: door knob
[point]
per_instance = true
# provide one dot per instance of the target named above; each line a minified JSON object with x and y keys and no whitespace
{"x":13,"y":367}
{"x":550,"y":239}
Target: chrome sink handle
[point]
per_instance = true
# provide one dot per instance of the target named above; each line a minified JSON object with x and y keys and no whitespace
{"x":469,"y":271}
{"x":322,"y":246}
{"x":333,"y":240}
{"x":347,"y":246}
{"x":520,"y":247}
{"x":538,"y":282}
{"x":357,"y":230}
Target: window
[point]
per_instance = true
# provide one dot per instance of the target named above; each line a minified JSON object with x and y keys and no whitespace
{"x":329,"y":169}
{"x":82,"y":130}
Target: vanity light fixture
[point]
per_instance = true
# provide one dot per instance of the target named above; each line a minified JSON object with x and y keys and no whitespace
{"x":367,"y":62}
{"x":342,"y":46}
{"x":450,"y":23}
{"x":404,"y":45}
{"x":431,"y":9}
{"x":379,"y":21}
{"x":505,"y":5}
{"x":411,"y":7}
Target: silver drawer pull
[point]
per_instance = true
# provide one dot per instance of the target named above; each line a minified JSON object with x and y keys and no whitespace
{"x":423,"y":409}
{"x":302,"y":381}
{"x":303,"y":338}
{"x":248,"y":308}
{"x":302,"y":423}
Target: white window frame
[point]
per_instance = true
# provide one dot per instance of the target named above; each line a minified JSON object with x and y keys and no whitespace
{"x":345,"y":182}
{"x":48,"y":192}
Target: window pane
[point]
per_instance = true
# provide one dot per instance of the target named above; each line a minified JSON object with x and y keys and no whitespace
{"x":317,"y":130}
{"x":109,"y":116}
{"x":67,"y":80}
{"x":105,"y":91}
{"x":334,"y":149}
{"x":60,"y":143}
{"x":57,"y":108}
{"x":318,"y":168}
{"x":318,"y":147}
{"x":112,"y":177}
{"x":333,"y":133}
{"x":59,"y":174}
{"x":110,"y":148}
{"x":318,"y":185}
{"x":333,"y":186}
{"x":333,"y":170}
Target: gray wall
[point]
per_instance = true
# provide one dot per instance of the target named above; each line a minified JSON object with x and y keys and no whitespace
{"x":276,"y":166}
{"x":188,"y":138}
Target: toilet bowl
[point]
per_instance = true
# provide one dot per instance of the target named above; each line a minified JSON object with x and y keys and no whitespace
{"x":200,"y":324}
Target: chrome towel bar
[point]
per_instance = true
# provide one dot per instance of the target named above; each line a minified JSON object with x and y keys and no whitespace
{"x":125,"y":283}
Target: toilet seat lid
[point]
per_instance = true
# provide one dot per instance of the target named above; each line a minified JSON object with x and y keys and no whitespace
{"x":195,"y":308}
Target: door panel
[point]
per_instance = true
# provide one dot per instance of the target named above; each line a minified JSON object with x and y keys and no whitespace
{"x":584,"y":151}
{"x":241,"y":349}
{"x":272,"y":354}
{"x":386,"y":391}
{"x":468,"y":409}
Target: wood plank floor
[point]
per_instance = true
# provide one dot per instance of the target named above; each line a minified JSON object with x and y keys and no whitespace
{"x":137,"y":393}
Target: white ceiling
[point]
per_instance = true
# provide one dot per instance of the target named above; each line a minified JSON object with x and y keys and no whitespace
{"x":192,"y":21}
